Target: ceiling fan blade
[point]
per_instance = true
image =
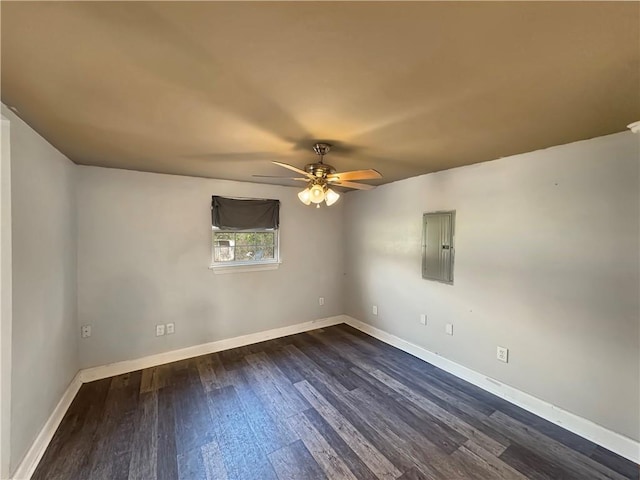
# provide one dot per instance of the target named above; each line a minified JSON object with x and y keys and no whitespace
{"x":357,"y":186}
{"x":291,"y":167}
{"x":355,"y":175}
{"x":286,"y":178}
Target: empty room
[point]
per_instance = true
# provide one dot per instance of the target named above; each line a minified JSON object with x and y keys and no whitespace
{"x":320,"y":240}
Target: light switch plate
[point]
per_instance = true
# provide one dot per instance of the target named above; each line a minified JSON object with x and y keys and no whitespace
{"x":448,"y":328}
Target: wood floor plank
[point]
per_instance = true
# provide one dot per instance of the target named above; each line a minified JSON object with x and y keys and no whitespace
{"x":333,"y":365}
{"x":219,"y":370}
{"x":286,"y":365}
{"x":143,"y":463}
{"x":502,"y":469}
{"x":550,"y":449}
{"x":265,"y":372}
{"x":75,"y":435}
{"x":112,"y":454}
{"x":167,"y":456}
{"x":208,"y":376}
{"x":445,"y":416}
{"x":533,"y":466}
{"x":421,"y":451}
{"x":146,"y":382}
{"x":398,"y":407}
{"x":191,"y":464}
{"x":355,"y":464}
{"x":415,"y":474}
{"x":213,"y":462}
{"x":192,"y":417}
{"x":326,"y":457}
{"x":436,"y":389}
{"x":333,"y":404}
{"x":484,"y":466}
{"x":379,"y":438}
{"x":243,"y":457}
{"x":271,"y":432}
{"x":294,"y":462}
{"x":378,"y":463}
{"x":309,"y":369}
{"x":550,"y":430}
{"x":616,"y":463}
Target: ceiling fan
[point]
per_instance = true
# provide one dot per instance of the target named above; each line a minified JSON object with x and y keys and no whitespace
{"x":320,"y":177}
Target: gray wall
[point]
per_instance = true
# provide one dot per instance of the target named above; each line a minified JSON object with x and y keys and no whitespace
{"x":547,"y":264}
{"x":144,"y":248}
{"x":44,"y":336}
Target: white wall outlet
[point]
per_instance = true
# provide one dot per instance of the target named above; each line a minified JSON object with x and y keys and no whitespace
{"x":171,"y":328}
{"x":159,"y":330}
{"x":374,"y":310}
{"x":320,"y":301}
{"x":85,"y":331}
{"x":448,"y":328}
{"x":503,"y":354}
{"x":423,"y":318}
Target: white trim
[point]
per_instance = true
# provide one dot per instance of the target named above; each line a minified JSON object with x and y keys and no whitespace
{"x":104,"y":371}
{"x":243,"y":268}
{"x":34,"y":455}
{"x":634,"y":127}
{"x":613,"y":441}
{"x":6,"y":311}
{"x":608,"y":439}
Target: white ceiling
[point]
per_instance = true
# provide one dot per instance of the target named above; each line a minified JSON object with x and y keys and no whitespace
{"x":219,"y":89}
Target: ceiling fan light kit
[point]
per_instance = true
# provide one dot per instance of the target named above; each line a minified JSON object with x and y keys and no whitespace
{"x":321,"y":176}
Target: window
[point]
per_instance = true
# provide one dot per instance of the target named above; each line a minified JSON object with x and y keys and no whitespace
{"x":437,"y":246}
{"x":244,"y":233}
{"x":235,"y":247}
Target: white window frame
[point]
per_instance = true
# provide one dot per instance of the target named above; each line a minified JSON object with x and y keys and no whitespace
{"x":237,"y":266}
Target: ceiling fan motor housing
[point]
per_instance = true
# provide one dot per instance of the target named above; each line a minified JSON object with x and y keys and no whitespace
{"x":319,"y":170}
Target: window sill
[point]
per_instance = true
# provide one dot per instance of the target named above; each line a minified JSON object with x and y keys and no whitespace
{"x":243,"y":268}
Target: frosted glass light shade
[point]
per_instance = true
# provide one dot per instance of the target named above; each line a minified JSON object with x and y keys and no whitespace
{"x":317,"y":194}
{"x":331,"y":197}
{"x":305,"y":196}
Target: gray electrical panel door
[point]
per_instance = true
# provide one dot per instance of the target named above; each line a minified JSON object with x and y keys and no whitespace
{"x":437,"y":246}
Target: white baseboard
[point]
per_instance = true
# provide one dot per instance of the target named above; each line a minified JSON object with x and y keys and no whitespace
{"x":105,"y":371}
{"x":604,"y":437}
{"x":585,"y":428}
{"x":34,"y":454}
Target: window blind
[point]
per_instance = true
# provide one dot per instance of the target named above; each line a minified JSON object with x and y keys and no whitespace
{"x":244,"y":214}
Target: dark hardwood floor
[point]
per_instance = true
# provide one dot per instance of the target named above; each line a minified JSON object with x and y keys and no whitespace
{"x":332,"y":403}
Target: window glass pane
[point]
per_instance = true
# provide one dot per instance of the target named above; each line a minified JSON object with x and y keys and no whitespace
{"x":243,"y":247}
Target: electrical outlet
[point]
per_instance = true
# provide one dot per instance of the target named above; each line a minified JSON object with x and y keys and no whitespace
{"x":423,"y":319}
{"x":85,"y":331}
{"x":321,"y":301}
{"x":375,"y":310}
{"x":159,"y":330}
{"x":502,"y":354}
{"x":171,"y":328}
{"x":448,"y":328}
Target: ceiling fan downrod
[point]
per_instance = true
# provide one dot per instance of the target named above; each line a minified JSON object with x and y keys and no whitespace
{"x":321,"y":149}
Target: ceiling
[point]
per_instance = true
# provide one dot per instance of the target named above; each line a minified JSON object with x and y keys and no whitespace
{"x":219,"y":89}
